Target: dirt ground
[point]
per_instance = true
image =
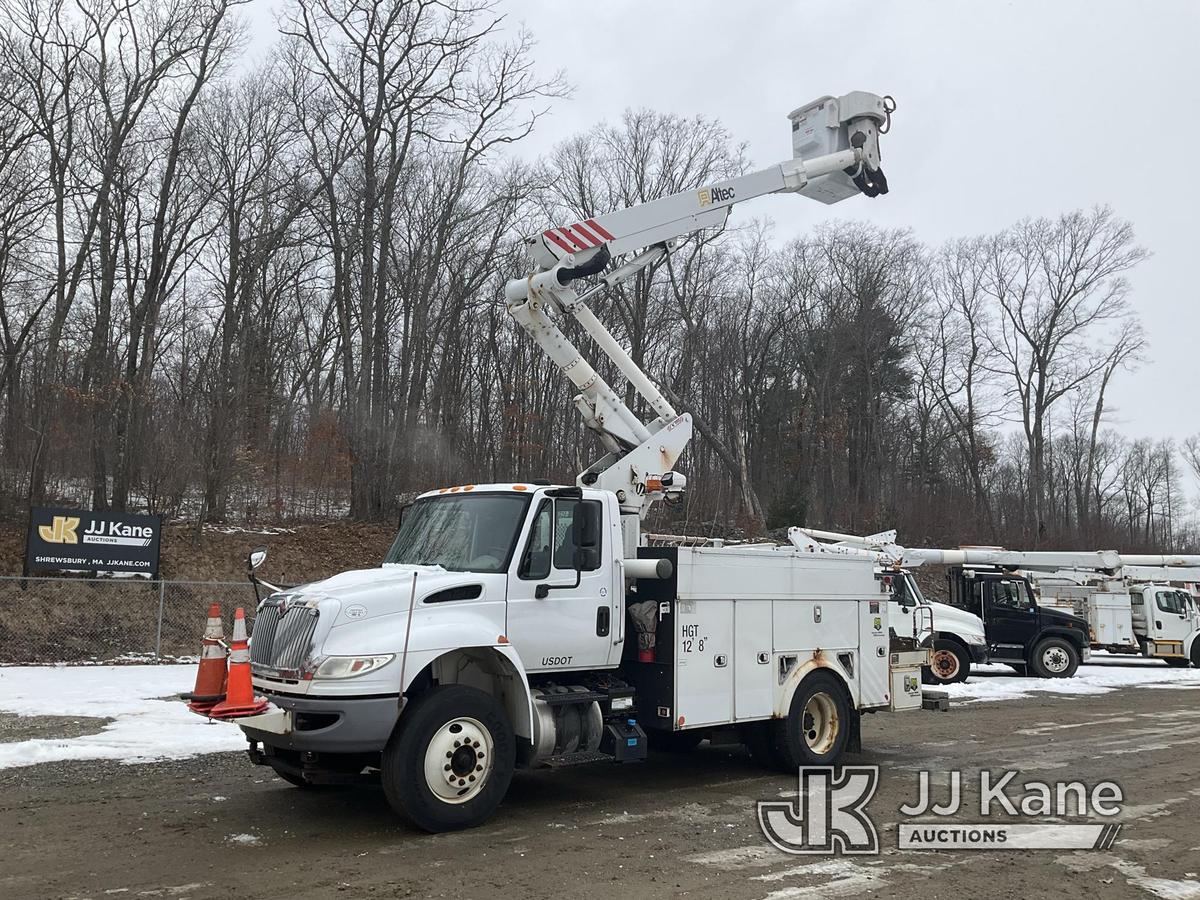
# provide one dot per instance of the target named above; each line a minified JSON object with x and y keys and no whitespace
{"x":216,"y":826}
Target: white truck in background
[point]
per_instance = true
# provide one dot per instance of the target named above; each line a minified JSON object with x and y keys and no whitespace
{"x":522,"y":623}
{"x":1144,"y":610}
{"x":959,"y":638}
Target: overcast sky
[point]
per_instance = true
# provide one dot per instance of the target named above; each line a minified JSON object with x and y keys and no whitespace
{"x":1006,"y":110}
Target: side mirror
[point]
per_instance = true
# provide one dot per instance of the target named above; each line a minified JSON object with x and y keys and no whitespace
{"x":256,"y":558}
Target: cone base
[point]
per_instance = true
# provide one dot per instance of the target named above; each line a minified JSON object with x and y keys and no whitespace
{"x":227,"y":710}
{"x":203,"y":707}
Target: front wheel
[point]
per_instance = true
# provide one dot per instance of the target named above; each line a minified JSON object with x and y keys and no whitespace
{"x":451,"y":759}
{"x":818,"y":724}
{"x":1054,"y":657}
{"x":950,"y":663}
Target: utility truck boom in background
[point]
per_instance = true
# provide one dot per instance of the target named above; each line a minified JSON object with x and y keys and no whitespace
{"x":959,"y":638}
{"x":982,"y":581}
{"x":522,"y":623}
{"x":1147,"y":610}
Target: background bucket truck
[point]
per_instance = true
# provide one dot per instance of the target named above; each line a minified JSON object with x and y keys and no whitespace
{"x":522,"y":623}
{"x":959,"y":637}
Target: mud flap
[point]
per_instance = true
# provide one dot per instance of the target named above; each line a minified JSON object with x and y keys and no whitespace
{"x":854,"y":739}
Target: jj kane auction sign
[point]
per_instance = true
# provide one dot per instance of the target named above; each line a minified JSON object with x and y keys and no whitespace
{"x":102,"y":542}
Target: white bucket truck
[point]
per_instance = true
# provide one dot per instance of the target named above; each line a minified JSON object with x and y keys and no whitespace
{"x":959,"y":637}
{"x":519,"y":624}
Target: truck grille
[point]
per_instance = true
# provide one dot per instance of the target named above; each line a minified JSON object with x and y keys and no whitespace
{"x":282,"y":636}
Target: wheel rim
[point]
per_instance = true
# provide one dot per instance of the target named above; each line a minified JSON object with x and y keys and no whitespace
{"x":1055,"y":660}
{"x":945,"y":664}
{"x":459,"y":759}
{"x":819,"y":723}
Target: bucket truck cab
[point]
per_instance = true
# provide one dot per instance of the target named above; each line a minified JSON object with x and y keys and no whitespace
{"x":1043,"y":641}
{"x":959,"y":637}
{"x":506,"y":628}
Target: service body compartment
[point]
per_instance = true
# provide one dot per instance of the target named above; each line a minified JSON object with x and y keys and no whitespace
{"x":703,"y":674}
{"x":739,"y":627}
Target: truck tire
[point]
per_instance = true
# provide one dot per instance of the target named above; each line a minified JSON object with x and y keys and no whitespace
{"x":451,"y":759}
{"x":818,"y":724}
{"x":1054,"y":657}
{"x":951,"y":663}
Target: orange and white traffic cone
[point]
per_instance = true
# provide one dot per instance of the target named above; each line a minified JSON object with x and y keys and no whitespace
{"x":210,"y":677}
{"x":239,"y":691}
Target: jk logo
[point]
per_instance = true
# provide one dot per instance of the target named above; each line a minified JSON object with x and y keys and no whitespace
{"x":829,"y":814}
{"x":60,"y":531}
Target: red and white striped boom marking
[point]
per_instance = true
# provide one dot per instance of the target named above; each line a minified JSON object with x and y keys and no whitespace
{"x":580,"y":236}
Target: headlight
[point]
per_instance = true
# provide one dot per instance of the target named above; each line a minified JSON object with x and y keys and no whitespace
{"x":976,"y":639}
{"x":350,"y":666}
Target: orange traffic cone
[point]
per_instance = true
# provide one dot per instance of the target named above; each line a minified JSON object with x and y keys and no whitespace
{"x":210,"y":677}
{"x":239,"y":693}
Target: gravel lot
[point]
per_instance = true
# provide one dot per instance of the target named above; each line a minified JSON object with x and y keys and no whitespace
{"x":674,"y":826}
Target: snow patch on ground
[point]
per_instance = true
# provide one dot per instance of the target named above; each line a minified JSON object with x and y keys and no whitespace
{"x":147,"y":724}
{"x":998,"y":682}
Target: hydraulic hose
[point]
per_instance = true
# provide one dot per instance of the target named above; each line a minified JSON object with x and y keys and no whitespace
{"x":593,"y":266}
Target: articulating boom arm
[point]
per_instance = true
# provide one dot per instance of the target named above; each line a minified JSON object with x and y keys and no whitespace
{"x":836,"y":155}
{"x":1128,"y":565}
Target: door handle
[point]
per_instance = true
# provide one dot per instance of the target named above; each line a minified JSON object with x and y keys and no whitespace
{"x":602,"y":621}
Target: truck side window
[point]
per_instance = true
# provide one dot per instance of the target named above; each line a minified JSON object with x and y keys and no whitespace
{"x":1168,"y":602}
{"x":535,"y":563}
{"x":1008,"y":595}
{"x":574,"y":517}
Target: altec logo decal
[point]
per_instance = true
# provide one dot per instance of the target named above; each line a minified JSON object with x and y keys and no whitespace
{"x":709,"y":196}
{"x":581,"y":236}
{"x":61,"y":530}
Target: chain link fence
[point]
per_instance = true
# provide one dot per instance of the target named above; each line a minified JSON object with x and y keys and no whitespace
{"x":91,"y":620}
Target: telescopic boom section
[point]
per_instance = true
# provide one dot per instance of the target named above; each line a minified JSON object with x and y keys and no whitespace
{"x":835,"y":145}
{"x":1130,"y":565}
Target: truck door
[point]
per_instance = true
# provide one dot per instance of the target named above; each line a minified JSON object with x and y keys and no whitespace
{"x":1011,"y":616}
{"x":1168,"y":620}
{"x":553,"y":622}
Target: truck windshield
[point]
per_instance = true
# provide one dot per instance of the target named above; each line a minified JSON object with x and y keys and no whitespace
{"x":460,"y":532}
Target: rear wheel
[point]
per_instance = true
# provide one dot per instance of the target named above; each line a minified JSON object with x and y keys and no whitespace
{"x":949,"y":664}
{"x":450,"y":761}
{"x":818,"y":724}
{"x":1054,"y":657}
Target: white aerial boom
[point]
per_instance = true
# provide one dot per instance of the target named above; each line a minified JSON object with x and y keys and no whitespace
{"x":835,"y":144}
{"x":1130,"y":565}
